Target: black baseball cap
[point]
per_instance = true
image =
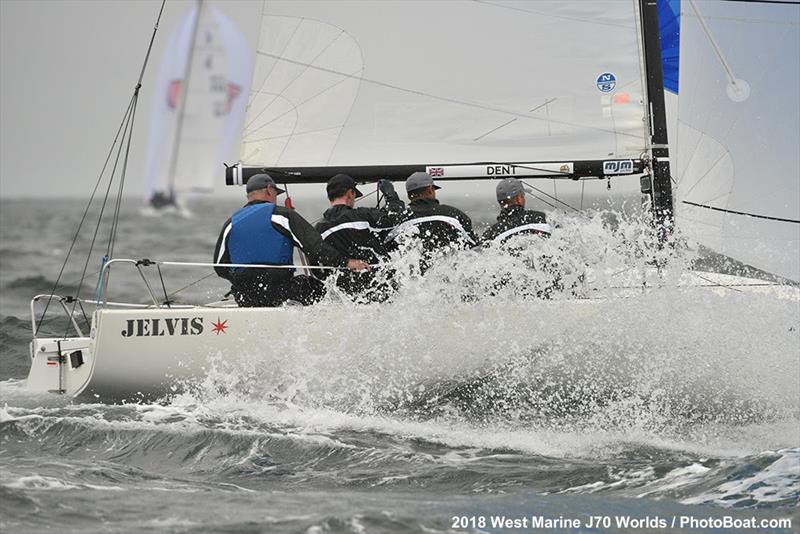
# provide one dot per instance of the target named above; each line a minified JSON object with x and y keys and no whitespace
{"x":340,"y":184}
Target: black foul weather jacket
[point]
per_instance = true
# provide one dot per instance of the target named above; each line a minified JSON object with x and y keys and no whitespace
{"x":359,"y":233}
{"x":516,"y":220}
{"x":439,"y":225}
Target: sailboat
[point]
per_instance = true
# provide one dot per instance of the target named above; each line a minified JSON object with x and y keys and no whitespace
{"x":380,"y":90}
{"x":200,"y":99}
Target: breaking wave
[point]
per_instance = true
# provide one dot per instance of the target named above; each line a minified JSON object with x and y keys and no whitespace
{"x":482,"y":337}
{"x":231,"y":444}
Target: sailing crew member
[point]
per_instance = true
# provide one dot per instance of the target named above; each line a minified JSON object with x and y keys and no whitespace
{"x":514,"y":219}
{"x":439,"y":226}
{"x":359,"y":233}
{"x":263,"y":233}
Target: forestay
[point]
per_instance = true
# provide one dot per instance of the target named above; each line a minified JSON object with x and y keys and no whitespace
{"x":194,"y":125}
{"x":392,"y":83}
{"x":738,"y":165}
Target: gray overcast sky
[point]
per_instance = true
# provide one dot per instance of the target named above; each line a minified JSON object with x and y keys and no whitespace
{"x":67,"y":72}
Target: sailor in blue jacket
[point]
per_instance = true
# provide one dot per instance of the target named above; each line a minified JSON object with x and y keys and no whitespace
{"x":265,"y":234}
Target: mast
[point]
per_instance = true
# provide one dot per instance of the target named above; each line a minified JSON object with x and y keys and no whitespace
{"x":173,"y":165}
{"x":659,"y":185}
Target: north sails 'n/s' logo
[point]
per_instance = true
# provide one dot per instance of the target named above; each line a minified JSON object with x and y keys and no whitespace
{"x":183,"y":326}
{"x":606,"y":82}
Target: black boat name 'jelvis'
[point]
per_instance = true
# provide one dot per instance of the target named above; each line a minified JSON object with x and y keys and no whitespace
{"x":180,"y":326}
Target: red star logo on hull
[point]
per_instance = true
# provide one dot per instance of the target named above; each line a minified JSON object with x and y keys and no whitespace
{"x":219,"y":326}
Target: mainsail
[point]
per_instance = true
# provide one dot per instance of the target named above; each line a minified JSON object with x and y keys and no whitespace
{"x":738,"y":140}
{"x":445,"y":84}
{"x":200,"y":99}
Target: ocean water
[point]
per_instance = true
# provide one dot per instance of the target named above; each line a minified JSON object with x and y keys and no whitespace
{"x":672,"y":410}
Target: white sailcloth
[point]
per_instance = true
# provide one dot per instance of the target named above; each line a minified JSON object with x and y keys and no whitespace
{"x":379,"y":83}
{"x":185,"y":152}
{"x":738,"y":138}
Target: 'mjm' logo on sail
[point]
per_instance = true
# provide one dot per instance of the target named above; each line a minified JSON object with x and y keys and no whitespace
{"x":618,"y":166}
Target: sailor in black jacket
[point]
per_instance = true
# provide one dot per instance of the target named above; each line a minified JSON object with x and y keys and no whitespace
{"x":359,"y":233}
{"x":514,"y":219}
{"x":439,"y":226}
{"x":263,"y":233}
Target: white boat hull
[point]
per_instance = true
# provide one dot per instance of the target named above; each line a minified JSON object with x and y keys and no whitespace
{"x":134,"y":353}
{"x":151,"y":352}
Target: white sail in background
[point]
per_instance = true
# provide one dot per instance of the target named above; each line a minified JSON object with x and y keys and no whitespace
{"x":738,"y":141}
{"x":190,"y":140}
{"x":380,"y":83}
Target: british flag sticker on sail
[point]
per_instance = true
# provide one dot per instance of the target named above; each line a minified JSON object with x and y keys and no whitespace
{"x":436,"y":171}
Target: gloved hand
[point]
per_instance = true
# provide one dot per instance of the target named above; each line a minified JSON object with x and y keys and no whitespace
{"x":386,"y":187}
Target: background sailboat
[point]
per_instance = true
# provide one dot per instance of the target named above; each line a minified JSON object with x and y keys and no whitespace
{"x":199,"y":106}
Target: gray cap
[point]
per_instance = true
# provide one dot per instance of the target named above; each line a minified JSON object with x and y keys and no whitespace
{"x":509,"y":188}
{"x":419,"y":180}
{"x":261,"y":181}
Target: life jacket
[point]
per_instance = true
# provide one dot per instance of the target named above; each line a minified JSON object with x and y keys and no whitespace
{"x":254,"y":240}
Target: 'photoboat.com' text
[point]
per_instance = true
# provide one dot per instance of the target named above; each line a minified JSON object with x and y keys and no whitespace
{"x":535,"y":522}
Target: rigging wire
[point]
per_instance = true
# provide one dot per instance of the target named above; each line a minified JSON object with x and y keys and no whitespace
{"x":171,"y":295}
{"x":134,"y":101}
{"x":164,"y":287}
{"x":124,"y":130}
{"x":103,"y":208}
{"x":83,"y":219}
{"x":551,"y":197}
